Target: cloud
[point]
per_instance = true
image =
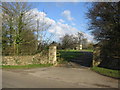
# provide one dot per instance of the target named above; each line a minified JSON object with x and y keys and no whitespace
{"x":58,"y":28}
{"x":39,"y":16}
{"x":73,"y":24}
{"x":61,"y":29}
{"x":67,"y":15}
{"x":89,"y":37}
{"x":61,"y":20}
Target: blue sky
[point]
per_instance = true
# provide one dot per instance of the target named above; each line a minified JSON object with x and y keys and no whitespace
{"x":57,"y":11}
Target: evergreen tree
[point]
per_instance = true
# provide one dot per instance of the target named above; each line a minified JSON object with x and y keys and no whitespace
{"x":104,"y":23}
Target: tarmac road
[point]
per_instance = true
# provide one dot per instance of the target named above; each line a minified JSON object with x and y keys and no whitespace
{"x":55,"y":77}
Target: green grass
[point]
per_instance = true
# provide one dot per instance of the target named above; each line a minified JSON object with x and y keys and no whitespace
{"x":66,"y":55}
{"x":107,"y":72}
{"x":69,"y":54}
{"x":25,"y":66}
{"x":87,"y":50}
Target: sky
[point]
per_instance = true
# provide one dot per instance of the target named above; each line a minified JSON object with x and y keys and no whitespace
{"x":65,"y":17}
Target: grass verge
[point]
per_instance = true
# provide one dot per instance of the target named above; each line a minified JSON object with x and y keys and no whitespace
{"x":107,"y":72}
{"x":25,"y":66}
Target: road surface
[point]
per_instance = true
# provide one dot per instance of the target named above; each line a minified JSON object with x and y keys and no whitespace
{"x":56,"y":77}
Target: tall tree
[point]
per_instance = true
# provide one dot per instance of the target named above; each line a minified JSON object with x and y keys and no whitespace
{"x":80,"y":37}
{"x":67,"y":41}
{"x":42,"y":32}
{"x":104,"y":23}
{"x":15,"y":24}
{"x":72,"y":41}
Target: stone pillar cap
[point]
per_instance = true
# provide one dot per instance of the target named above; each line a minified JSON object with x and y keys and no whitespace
{"x":53,"y":43}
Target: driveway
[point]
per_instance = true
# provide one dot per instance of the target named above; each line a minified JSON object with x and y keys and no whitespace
{"x":56,"y":77}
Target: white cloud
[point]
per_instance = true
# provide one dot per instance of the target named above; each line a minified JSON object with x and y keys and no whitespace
{"x":39,"y":16}
{"x":58,"y":28}
{"x":67,"y":15}
{"x":61,"y":29}
{"x":73,"y":24}
{"x":89,"y":37}
{"x":61,"y":20}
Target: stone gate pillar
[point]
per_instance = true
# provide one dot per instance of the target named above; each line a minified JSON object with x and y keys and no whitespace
{"x":52,"y":53}
{"x":81,"y":47}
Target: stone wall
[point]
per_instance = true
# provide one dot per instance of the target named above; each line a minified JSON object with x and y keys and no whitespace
{"x":42,"y":58}
{"x":25,"y":60}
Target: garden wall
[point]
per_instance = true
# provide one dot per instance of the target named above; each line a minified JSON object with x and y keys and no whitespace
{"x":44,"y":57}
{"x":25,"y":60}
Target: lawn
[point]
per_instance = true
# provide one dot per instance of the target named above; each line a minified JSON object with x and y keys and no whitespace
{"x":25,"y":66}
{"x":69,"y":54}
{"x":107,"y":72}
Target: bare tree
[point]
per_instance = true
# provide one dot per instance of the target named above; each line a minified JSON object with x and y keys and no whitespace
{"x":68,"y":41}
{"x":42,"y":34}
{"x":15,"y":22}
{"x":80,"y":37}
